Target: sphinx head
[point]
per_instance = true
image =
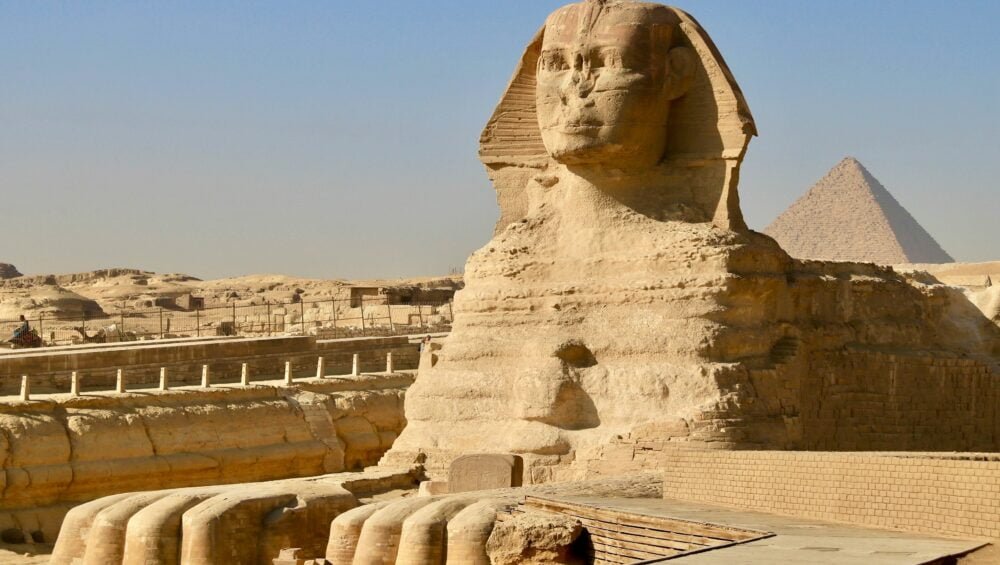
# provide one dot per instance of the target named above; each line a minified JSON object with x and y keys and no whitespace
{"x":607,"y":72}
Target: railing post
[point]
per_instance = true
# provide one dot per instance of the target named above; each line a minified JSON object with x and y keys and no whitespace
{"x":333,"y":304}
{"x":268,"y":302}
{"x":420,"y":314}
{"x":25,"y":388}
{"x":205,"y":378}
{"x":356,"y":367}
{"x":288,"y":372}
{"x":388,"y":362}
{"x":197,"y":322}
{"x":302,"y":314}
{"x":164,"y":384}
{"x":41,"y":334}
{"x":362,"y":314}
{"x":245,"y":374}
{"x":120,"y":381}
{"x":451,"y":313}
{"x":320,"y":367}
{"x":161,"y":322}
{"x":235,"y":331}
{"x":388,"y":308}
{"x":74,"y":384}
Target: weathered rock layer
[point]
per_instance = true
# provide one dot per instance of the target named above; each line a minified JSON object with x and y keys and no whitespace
{"x":57,"y":454}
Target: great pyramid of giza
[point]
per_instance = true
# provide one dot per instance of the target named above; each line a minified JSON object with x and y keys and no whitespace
{"x":849,"y":216}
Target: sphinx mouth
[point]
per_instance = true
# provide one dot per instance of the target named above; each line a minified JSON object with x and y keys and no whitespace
{"x":579,"y":125}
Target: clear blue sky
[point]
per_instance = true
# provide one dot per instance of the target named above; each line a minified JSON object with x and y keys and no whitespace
{"x":338,"y":139}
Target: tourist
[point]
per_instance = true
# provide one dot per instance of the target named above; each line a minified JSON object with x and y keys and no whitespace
{"x":21,"y":330}
{"x":425,"y":343}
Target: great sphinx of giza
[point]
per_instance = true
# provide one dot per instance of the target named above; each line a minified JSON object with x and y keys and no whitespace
{"x":621,"y":299}
{"x":622,"y":294}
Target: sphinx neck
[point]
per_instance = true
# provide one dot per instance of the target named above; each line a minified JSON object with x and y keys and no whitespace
{"x":593,"y":193}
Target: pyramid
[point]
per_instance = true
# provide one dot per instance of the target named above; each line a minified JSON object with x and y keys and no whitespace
{"x":849,"y":216}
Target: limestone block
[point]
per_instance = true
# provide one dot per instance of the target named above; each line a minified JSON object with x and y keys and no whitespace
{"x":361,"y":438}
{"x":534,"y":538}
{"x":660,"y":430}
{"x":485,"y":471}
{"x":106,"y":538}
{"x":72,"y":541}
{"x":423,"y":540}
{"x":345,"y":531}
{"x":234,"y":526}
{"x":469,"y":531}
{"x":152,"y":536}
{"x":289,"y":556}
{"x":306,"y":523}
{"x":432,"y":488}
{"x":379,"y":540}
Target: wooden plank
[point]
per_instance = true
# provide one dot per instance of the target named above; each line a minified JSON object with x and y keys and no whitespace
{"x":611,"y":547}
{"x":642,"y":529}
{"x":626,"y":544}
{"x":673,"y":537}
{"x":715,"y":531}
{"x":643,"y":540}
{"x":598,"y":556}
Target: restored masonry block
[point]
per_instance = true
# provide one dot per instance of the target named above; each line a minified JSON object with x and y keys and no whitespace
{"x":485,"y":471}
{"x":943,"y":494}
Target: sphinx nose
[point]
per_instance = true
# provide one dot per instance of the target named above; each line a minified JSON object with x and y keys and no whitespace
{"x":582,"y":83}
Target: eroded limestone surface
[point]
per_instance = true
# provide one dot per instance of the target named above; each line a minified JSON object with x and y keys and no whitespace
{"x":623,"y":295}
{"x":56,"y":454}
{"x":246,"y":523}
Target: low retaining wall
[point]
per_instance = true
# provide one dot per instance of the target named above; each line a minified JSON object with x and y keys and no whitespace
{"x":49,"y":371}
{"x":67,"y":450}
{"x":943,"y":494}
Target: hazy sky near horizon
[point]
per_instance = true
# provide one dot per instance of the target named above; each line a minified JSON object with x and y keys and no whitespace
{"x":338,"y":139}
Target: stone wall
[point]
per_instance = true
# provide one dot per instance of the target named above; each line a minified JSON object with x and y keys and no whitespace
{"x":97,"y":366}
{"x":942,"y":494}
{"x":59,"y":453}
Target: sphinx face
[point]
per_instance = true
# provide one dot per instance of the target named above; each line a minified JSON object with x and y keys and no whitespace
{"x":604,"y":83}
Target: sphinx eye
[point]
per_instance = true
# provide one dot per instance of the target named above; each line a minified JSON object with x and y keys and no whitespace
{"x":553,"y":62}
{"x":609,"y":58}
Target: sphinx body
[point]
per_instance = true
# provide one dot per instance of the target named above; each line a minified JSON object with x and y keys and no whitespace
{"x":623,"y":296}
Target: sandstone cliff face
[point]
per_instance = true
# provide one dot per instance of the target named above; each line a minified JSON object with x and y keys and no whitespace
{"x":57,"y":454}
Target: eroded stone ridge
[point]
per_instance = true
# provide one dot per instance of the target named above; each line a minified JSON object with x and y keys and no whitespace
{"x":57,"y":454}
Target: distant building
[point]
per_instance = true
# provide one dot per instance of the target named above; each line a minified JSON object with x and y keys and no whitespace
{"x":189,"y":302}
{"x":359,"y":293}
{"x":402,"y":295}
{"x":418,"y":295}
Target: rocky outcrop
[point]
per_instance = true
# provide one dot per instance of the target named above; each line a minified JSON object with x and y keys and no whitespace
{"x":535,"y":537}
{"x":8,"y":271}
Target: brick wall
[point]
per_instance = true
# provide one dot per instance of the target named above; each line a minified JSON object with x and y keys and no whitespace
{"x":946,"y":494}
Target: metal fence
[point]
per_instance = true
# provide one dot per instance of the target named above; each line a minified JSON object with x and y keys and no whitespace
{"x":329,"y":318}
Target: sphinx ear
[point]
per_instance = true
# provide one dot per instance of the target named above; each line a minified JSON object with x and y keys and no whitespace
{"x":681,"y":63}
